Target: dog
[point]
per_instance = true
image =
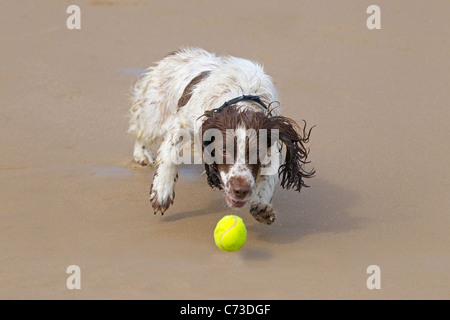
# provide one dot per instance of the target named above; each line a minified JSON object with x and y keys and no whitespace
{"x":191,"y":93}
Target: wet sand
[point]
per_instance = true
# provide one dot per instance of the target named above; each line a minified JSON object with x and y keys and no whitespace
{"x":70,"y":196}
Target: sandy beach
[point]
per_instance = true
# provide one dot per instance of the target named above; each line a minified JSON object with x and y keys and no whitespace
{"x":69,"y":194}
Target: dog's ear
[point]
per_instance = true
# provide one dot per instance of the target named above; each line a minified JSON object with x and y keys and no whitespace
{"x":212,"y":172}
{"x":213,"y":177}
{"x":294,"y":138}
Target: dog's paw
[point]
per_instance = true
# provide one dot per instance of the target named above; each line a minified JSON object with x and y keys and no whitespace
{"x":160,"y":202}
{"x":162,"y":192}
{"x":142,"y":154}
{"x":263,"y":213}
{"x":160,"y":205}
{"x":142,"y":161}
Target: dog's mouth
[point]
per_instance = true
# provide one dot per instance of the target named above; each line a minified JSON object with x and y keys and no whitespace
{"x":235,"y":203}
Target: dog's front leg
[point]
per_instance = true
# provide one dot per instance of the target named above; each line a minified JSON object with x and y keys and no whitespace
{"x":261,"y":204}
{"x":162,"y":191}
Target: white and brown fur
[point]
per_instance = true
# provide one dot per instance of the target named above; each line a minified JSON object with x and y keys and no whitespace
{"x":180,"y":93}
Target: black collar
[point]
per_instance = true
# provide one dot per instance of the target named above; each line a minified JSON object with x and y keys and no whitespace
{"x":256,"y":99}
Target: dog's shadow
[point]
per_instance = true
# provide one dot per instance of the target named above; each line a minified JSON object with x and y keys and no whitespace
{"x":322,"y":208}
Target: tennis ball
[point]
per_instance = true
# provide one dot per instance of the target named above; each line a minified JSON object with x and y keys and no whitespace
{"x":230,"y":233}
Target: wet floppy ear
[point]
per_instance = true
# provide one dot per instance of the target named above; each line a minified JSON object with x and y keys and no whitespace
{"x":211,"y":170}
{"x":212,"y":174}
{"x":293,"y":138}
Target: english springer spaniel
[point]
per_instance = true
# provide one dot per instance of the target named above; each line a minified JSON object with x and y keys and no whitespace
{"x":228,"y":108}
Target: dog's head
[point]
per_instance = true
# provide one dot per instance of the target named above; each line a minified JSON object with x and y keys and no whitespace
{"x":239,"y":145}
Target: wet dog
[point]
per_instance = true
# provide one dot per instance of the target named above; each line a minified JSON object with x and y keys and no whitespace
{"x":228,"y":103}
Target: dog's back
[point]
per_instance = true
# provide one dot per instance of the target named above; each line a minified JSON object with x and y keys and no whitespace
{"x":191,"y":80}
{"x":157,"y":92}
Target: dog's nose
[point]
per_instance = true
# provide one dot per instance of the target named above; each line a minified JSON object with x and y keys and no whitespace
{"x":241,"y":189}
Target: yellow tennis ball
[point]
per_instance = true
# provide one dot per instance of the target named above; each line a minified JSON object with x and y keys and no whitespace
{"x":230,"y":233}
